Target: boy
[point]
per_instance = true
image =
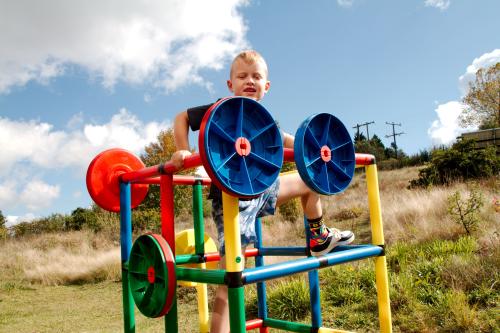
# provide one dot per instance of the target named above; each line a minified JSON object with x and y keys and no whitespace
{"x":249,"y":78}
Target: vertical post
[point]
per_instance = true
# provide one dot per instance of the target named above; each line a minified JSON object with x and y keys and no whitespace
{"x":314,"y":293}
{"x":235,"y":262}
{"x":126,"y":247}
{"x":168,"y":233}
{"x":199,"y":243}
{"x":382,"y":281}
{"x":261,"y":286}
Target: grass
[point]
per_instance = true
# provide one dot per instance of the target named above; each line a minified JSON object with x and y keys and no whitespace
{"x":440,"y":280}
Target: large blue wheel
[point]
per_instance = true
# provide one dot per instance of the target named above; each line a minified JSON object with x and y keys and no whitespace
{"x":324,"y":154}
{"x":240,"y":146}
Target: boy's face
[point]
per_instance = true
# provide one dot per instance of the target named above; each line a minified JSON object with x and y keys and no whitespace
{"x":248,"y":79}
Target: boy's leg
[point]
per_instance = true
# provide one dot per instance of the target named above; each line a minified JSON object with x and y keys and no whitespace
{"x":323,"y":239}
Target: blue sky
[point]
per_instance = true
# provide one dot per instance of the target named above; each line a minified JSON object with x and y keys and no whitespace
{"x":76,"y":79}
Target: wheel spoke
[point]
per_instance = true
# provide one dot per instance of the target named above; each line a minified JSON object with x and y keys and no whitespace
{"x":243,"y":165}
{"x":338,"y":168}
{"x":324,"y":177}
{"x":239,"y":122}
{"x":263,"y":161}
{"x":225,"y":161}
{"x":147,"y":295}
{"x":326,"y":131}
{"x":264,"y":129}
{"x":341,"y":145}
{"x":314,"y":161}
{"x":310,"y":137}
{"x":222,"y":133}
{"x":141,"y":276}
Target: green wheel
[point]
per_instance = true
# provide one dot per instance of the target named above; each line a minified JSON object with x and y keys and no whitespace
{"x":151,"y":272}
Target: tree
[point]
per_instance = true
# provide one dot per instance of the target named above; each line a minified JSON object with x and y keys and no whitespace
{"x":483,"y":99}
{"x":160,"y":152}
{"x":3,"y":229}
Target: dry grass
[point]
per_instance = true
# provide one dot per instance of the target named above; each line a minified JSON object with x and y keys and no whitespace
{"x":60,"y":259}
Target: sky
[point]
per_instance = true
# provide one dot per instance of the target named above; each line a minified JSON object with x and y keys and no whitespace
{"x":77,"y":78}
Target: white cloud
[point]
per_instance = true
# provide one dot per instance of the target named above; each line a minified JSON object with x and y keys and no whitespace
{"x":13,"y":220}
{"x":445,"y":129}
{"x":345,"y":3}
{"x":440,"y":4}
{"x":486,"y":60}
{"x":38,"y":147}
{"x":38,"y":194}
{"x":163,"y":43}
{"x":38,"y":143}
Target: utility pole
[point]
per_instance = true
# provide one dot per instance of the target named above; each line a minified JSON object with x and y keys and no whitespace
{"x":357,"y":129}
{"x":394,"y":134}
{"x":365,"y":124}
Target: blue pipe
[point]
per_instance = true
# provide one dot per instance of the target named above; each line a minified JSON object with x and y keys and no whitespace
{"x":314,"y":293}
{"x":259,"y":262}
{"x":283,"y":251}
{"x":343,"y":254}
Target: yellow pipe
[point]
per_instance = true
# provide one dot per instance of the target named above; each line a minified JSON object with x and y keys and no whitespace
{"x":201,"y":289}
{"x":382,"y":281}
{"x":235,"y":261}
{"x":374,"y":205}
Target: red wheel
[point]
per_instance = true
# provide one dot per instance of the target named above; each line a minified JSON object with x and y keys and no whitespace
{"x":103,"y":178}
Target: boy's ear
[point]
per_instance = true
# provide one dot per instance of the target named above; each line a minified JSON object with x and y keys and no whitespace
{"x":267,"y":86}
{"x":230,"y":85}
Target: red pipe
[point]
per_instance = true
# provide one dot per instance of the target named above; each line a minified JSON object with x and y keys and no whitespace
{"x":253,"y":324}
{"x":167,"y":210}
{"x":214,"y":256}
{"x":168,"y":168}
{"x":288,"y":155}
{"x":365,"y":159}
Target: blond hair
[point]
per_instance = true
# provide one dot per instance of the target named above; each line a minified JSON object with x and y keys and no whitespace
{"x":249,"y":57}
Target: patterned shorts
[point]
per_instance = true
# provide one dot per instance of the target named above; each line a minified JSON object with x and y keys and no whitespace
{"x":261,"y":206}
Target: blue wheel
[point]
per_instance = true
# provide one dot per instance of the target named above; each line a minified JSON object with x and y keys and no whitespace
{"x":240,"y":146}
{"x":324,"y":154}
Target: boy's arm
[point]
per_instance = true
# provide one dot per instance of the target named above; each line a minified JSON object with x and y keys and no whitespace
{"x":181,"y":139}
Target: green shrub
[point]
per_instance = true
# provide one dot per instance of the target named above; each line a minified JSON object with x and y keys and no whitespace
{"x":460,"y":162}
{"x":465,"y":211}
{"x":289,"y":300}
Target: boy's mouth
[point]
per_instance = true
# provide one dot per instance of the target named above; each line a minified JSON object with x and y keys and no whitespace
{"x":250,"y":90}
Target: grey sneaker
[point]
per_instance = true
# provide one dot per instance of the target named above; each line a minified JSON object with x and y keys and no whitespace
{"x":326,"y":240}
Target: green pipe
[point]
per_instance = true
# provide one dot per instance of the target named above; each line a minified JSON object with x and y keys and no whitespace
{"x":199,"y":226}
{"x":213,"y":276}
{"x":128,"y":302}
{"x":171,"y":324}
{"x":187,"y":259}
{"x":287,"y":325}
{"x":237,"y":322}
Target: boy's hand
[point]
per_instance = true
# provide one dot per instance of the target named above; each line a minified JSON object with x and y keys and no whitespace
{"x":178,"y":158}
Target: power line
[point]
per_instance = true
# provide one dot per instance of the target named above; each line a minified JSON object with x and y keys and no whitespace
{"x":365,"y":124}
{"x":394,"y":134}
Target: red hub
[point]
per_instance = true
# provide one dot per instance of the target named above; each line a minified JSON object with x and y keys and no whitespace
{"x":326,"y":153}
{"x":151,"y":274}
{"x":243,"y":146}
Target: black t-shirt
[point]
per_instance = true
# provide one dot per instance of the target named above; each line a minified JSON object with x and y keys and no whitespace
{"x":195,"y":116}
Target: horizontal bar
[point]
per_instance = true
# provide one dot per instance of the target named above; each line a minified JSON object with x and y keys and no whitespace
{"x":208,"y":257}
{"x":364,"y":159}
{"x":253,"y":324}
{"x":214,"y":276}
{"x":178,"y":180}
{"x":190,"y":162}
{"x":283,"y":251}
{"x":287,"y":325}
{"x":288,"y":155}
{"x":341,"y":254}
